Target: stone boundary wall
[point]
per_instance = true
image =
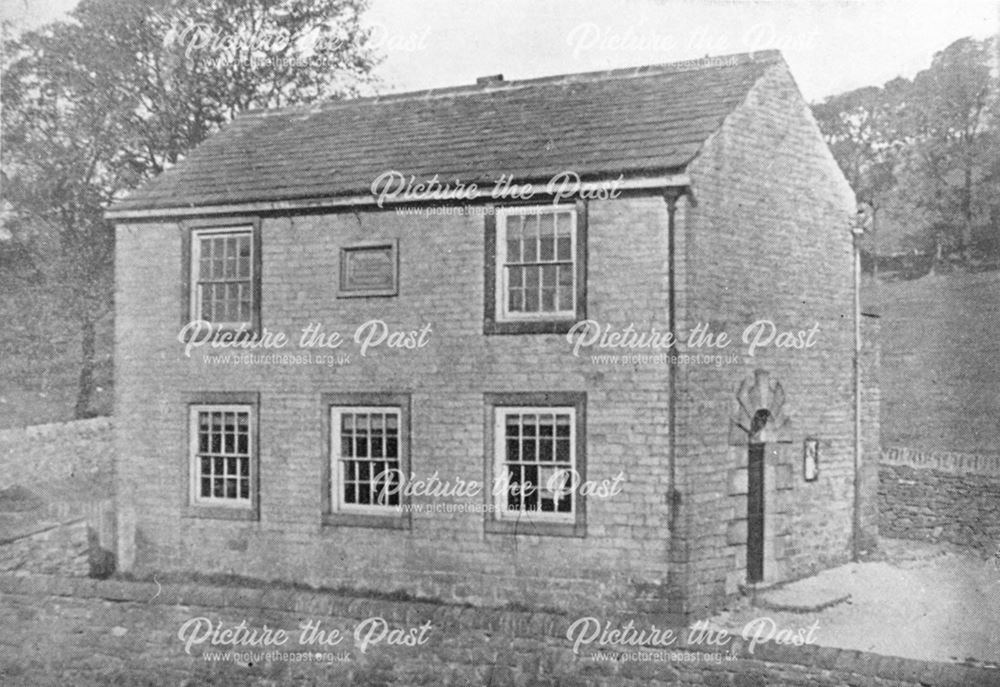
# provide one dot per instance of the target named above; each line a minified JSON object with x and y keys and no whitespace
{"x":57,"y":451}
{"x":940,"y":496}
{"x":67,"y":527}
{"x":945,"y":461}
{"x":62,"y":549}
{"x":501,"y":647}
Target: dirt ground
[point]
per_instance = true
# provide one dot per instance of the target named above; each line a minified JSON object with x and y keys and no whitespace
{"x":923,"y":601}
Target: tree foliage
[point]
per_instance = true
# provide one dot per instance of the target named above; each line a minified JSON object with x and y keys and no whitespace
{"x":95,"y":104}
{"x":928,"y":148}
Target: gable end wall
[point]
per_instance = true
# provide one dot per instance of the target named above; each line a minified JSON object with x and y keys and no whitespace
{"x":768,"y":239}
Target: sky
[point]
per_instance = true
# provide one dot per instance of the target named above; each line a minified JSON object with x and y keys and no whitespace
{"x":830,"y":45}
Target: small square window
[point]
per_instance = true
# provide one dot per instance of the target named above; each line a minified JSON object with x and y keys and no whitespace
{"x":369,"y":269}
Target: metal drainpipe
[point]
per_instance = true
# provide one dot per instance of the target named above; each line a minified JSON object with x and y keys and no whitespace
{"x":671,"y":197}
{"x":677,"y":571}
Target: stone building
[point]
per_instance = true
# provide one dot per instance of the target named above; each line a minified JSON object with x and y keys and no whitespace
{"x":423,"y":410}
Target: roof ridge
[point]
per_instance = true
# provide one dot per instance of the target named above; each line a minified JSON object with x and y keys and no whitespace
{"x":646,"y":70}
{"x":613,"y":122}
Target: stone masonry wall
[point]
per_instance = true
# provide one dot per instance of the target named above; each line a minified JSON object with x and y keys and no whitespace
{"x":445,"y":555}
{"x":85,"y":632}
{"x":63,"y":549}
{"x":56,"y":500}
{"x":77,"y":450}
{"x":767,"y":237}
{"x":940,"y":497}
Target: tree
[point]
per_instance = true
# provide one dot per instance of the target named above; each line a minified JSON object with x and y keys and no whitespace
{"x":95,"y":105}
{"x":862,"y":128}
{"x":864,"y":132}
{"x":953,"y":116}
{"x":928,"y":148}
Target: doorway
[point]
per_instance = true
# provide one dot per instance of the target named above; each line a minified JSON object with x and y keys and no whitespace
{"x":755,"y":512}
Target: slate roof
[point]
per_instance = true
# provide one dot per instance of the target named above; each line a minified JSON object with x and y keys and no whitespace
{"x":645,"y":120}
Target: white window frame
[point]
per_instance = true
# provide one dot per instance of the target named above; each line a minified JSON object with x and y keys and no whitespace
{"x":500,"y":261}
{"x":337,"y":503}
{"x":195,"y":464}
{"x":500,"y":468}
{"x":194,"y":307}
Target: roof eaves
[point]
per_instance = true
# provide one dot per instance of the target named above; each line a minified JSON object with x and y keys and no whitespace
{"x":635,"y":183}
